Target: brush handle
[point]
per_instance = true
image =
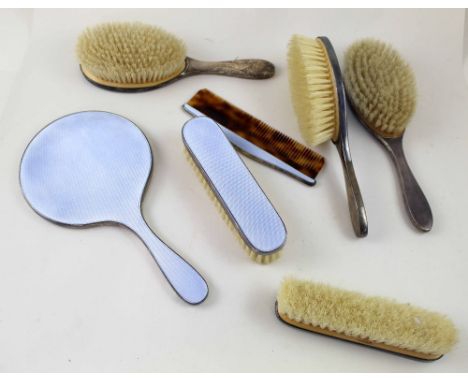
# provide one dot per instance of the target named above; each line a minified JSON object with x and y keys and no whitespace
{"x":185,"y":280}
{"x":355,"y":202}
{"x":249,"y":68}
{"x":416,"y":203}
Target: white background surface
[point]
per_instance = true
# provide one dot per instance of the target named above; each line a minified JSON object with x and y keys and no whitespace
{"x":93,"y":299}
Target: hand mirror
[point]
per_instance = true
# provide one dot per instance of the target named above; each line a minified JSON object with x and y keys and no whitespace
{"x":92,"y":168}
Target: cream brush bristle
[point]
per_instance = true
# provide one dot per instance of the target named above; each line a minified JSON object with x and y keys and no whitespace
{"x":129,"y":53}
{"x":373,"y":321}
{"x":381,"y":85}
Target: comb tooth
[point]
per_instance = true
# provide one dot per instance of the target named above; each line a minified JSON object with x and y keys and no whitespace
{"x":258,"y":132}
{"x":296,"y":150}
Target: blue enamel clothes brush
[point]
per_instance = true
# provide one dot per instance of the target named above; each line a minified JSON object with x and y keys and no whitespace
{"x":240,"y":199}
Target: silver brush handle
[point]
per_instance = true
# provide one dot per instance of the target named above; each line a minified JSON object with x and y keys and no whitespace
{"x":184,"y":279}
{"x":355,"y":201}
{"x":255,"y":152}
{"x":249,"y":68}
{"x":416,"y":203}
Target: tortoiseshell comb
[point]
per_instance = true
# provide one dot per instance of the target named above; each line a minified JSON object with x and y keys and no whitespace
{"x":265,"y":144}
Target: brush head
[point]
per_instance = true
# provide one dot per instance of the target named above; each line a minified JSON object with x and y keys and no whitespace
{"x":130,"y":55}
{"x":381,"y":87}
{"x":373,"y":321}
{"x":313,"y":89}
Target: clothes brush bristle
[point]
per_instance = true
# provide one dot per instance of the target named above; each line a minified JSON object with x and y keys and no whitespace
{"x":312,"y":89}
{"x":378,"y":319}
{"x":381,"y":86}
{"x":130,"y":53}
{"x":258,"y":258}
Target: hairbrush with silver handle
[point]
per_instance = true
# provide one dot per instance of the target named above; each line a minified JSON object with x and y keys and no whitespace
{"x":382,"y":93}
{"x":318,"y":96}
{"x":136,"y":57}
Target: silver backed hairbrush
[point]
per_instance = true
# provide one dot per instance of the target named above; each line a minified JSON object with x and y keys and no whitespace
{"x":239,"y":197}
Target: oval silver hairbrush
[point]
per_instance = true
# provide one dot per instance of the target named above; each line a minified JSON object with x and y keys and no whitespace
{"x":235,"y":191}
{"x":92,"y":168}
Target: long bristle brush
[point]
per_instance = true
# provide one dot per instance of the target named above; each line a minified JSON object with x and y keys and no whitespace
{"x":381,"y":88}
{"x":319,"y":101}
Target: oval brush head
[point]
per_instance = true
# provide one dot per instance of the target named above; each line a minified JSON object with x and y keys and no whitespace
{"x":381,"y":86}
{"x":313,"y":90}
{"x":373,"y":321}
{"x":130,"y":55}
